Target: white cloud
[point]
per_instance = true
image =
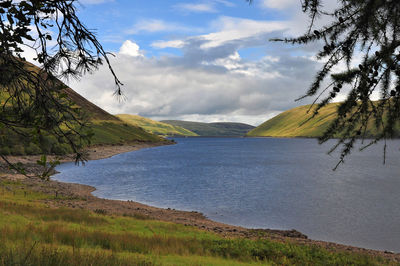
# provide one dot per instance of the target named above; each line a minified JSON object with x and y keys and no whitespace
{"x":130,"y":48}
{"x":94,"y":2}
{"x":228,"y":30}
{"x":197,"y":7}
{"x":157,"y":25}
{"x":279,"y":4}
{"x":201,"y":87}
{"x":170,"y":44}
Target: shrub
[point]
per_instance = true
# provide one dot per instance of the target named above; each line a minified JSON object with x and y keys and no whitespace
{"x":4,"y":150}
{"x":61,"y":149}
{"x":46,"y":143}
{"x":33,"y":149}
{"x":18,"y":150}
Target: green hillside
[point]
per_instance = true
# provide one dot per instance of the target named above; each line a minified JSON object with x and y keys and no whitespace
{"x":220,"y":129}
{"x":107,"y":129}
{"x":155,"y":127}
{"x":291,"y":123}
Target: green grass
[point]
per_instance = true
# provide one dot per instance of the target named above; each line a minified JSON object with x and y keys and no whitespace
{"x":108,"y":129}
{"x":155,"y":127}
{"x":106,"y":132}
{"x":292,"y":123}
{"x":223,"y":129}
{"x":289,"y":123}
{"x":109,"y":132}
{"x":31,"y":233}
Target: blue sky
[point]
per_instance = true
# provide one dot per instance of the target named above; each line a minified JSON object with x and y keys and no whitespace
{"x":202,"y":60}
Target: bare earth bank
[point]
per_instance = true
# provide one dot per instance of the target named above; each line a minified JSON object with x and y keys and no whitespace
{"x":80,"y":197}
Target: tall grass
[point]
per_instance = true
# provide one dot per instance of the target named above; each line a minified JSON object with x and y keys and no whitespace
{"x":33,"y":234}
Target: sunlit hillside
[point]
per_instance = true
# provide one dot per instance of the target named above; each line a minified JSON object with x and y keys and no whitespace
{"x":155,"y":127}
{"x":293,"y":123}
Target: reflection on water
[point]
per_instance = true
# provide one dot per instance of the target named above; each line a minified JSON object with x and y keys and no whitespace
{"x":261,"y":182}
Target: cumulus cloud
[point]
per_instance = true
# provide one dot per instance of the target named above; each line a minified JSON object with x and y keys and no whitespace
{"x":210,"y":81}
{"x":216,"y":87}
{"x":130,"y":48}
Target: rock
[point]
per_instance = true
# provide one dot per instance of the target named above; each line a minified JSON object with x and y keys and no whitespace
{"x":294,"y":233}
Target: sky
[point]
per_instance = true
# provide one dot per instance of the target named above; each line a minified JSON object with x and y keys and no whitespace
{"x":199,"y":60}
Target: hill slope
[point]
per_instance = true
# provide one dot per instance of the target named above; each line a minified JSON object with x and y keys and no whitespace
{"x":94,"y":112}
{"x":107,"y":129}
{"x":291,"y":123}
{"x":155,"y":127}
{"x":220,"y":129}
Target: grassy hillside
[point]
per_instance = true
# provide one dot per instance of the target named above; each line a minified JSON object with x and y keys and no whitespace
{"x":107,"y":129}
{"x":288,"y":123}
{"x":110,"y":132}
{"x":213,"y":129}
{"x":155,"y":127}
{"x":34,"y":233}
{"x":291,"y":123}
{"x":92,"y":110}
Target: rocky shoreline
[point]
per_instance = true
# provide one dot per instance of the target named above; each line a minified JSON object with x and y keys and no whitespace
{"x":79,"y":196}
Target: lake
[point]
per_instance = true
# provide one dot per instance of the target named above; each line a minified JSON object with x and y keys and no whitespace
{"x":261,"y":183}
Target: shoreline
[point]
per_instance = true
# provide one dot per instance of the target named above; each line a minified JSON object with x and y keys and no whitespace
{"x":81,"y":197}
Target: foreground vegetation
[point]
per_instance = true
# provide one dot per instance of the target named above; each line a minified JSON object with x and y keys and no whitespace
{"x":297,"y":122}
{"x":33,"y":233}
{"x":155,"y":127}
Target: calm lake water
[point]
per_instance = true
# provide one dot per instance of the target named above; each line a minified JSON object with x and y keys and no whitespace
{"x":261,"y":183}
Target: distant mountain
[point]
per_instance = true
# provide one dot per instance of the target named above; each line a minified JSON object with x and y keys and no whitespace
{"x":291,"y":123}
{"x":220,"y":129}
{"x":155,"y":127}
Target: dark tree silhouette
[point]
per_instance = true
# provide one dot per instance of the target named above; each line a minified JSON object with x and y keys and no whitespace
{"x":366,"y":29}
{"x":32,"y":102}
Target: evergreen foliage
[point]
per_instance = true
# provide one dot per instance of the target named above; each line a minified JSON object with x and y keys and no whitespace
{"x":33,"y":102}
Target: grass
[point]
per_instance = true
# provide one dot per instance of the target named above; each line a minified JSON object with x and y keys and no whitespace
{"x":108,"y":129}
{"x":291,"y":123}
{"x":110,"y":132}
{"x":31,"y":233}
{"x":155,"y":127}
{"x":213,"y":129}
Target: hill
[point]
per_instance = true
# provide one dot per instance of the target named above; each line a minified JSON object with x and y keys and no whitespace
{"x":155,"y":127}
{"x":291,"y":123}
{"x":220,"y":129}
{"x":107,"y":129}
